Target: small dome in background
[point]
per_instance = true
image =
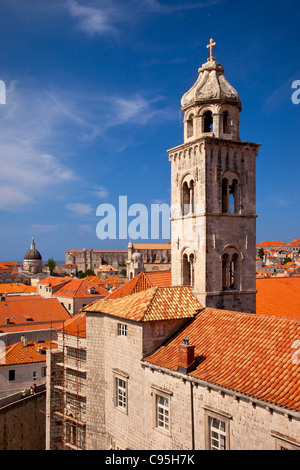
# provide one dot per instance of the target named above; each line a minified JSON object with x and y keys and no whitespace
{"x":33,"y":253}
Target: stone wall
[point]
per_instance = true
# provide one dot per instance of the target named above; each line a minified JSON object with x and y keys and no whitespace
{"x":250,"y":424}
{"x":22,"y":423}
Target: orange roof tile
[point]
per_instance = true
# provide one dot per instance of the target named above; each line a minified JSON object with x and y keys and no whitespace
{"x":157,"y":303}
{"x":16,"y":287}
{"x":246,"y":353}
{"x":31,"y":313}
{"x":142,"y":281}
{"x":75,"y":326}
{"x":279,"y":296}
{"x":80,"y":288}
{"x":151,"y":246}
{"x":54,"y":281}
{"x":18,"y":354}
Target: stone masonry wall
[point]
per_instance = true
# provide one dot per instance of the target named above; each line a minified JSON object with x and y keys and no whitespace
{"x":22,"y":424}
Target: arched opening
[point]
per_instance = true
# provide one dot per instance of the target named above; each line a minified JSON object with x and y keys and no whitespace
{"x":188,"y":197}
{"x":225,"y":195}
{"x":226,"y":123}
{"x":185,"y":198}
{"x":190,"y":126}
{"x":230,"y":196}
{"x":233,"y":197}
{"x":188,"y":270}
{"x":230,"y":271}
{"x":208,"y":122}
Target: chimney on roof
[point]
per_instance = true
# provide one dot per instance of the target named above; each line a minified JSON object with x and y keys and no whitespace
{"x":7,"y":321}
{"x":24,"y":341}
{"x":2,"y":298}
{"x":186,"y":357}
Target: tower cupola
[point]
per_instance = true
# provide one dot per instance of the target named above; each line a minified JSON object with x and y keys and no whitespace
{"x":211,"y":107}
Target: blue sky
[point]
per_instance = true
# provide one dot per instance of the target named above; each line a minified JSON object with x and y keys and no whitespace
{"x":93,"y":92}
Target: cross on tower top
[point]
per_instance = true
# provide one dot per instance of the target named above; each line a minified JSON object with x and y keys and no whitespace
{"x":211,"y":46}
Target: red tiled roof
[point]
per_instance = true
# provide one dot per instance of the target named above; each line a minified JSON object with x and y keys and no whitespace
{"x":250,"y":354}
{"x":80,"y":288}
{"x":18,"y":354}
{"x":16,"y":287}
{"x":142,"y":281}
{"x":76,"y":326}
{"x":53,"y":281}
{"x":279,"y":296}
{"x":30,"y":313}
{"x":157,"y":303}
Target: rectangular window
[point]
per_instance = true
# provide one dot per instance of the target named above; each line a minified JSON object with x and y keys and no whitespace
{"x":121,"y":394}
{"x":162,"y":412}
{"x":217,"y":429}
{"x":122,"y":329}
{"x":11,"y":375}
{"x":43,"y":372}
{"x":34,"y":374}
{"x":217,"y":432}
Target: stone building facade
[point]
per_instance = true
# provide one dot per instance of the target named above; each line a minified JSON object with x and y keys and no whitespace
{"x":213,"y":222}
{"x":134,"y":402}
{"x":138,"y":257}
{"x":92,"y":259}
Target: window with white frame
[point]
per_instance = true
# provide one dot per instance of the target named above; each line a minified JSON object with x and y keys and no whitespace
{"x":217,"y":429}
{"x":217,"y":434}
{"x":162,"y":413}
{"x":121,"y":393}
{"x":120,"y":390}
{"x":122,"y":329}
{"x":161,"y":409}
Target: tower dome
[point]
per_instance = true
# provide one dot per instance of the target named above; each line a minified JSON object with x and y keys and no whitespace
{"x":33,"y":253}
{"x":211,"y":105}
{"x":32,"y":260}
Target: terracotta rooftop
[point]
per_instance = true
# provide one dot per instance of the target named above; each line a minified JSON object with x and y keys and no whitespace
{"x":18,"y":354}
{"x":250,"y":354}
{"x":80,"y":288}
{"x":75,"y":326}
{"x":16,"y":288}
{"x":279,"y":296}
{"x":151,"y":246}
{"x":141,"y":282}
{"x":54,"y":281}
{"x":30,"y":313}
{"x":157,"y":303}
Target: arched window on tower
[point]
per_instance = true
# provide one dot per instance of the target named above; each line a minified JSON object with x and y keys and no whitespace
{"x":208,"y":122}
{"x":188,"y":270}
{"x":230,"y":271}
{"x":226,"y":123}
{"x":190,"y":126}
{"x":230,"y":194}
{"x":188,"y":197}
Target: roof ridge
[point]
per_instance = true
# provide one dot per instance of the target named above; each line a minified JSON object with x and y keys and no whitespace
{"x":151,"y":301}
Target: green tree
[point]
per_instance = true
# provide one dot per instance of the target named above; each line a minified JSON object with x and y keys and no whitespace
{"x":261,"y":253}
{"x":51,"y":264}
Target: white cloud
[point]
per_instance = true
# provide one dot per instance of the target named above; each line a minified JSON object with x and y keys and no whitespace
{"x":40,"y":228}
{"x":27,"y":132}
{"x":78,"y":208}
{"x":100,"y":192}
{"x":111,"y":14}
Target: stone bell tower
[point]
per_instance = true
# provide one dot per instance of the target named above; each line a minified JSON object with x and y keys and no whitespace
{"x":213,"y":213}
